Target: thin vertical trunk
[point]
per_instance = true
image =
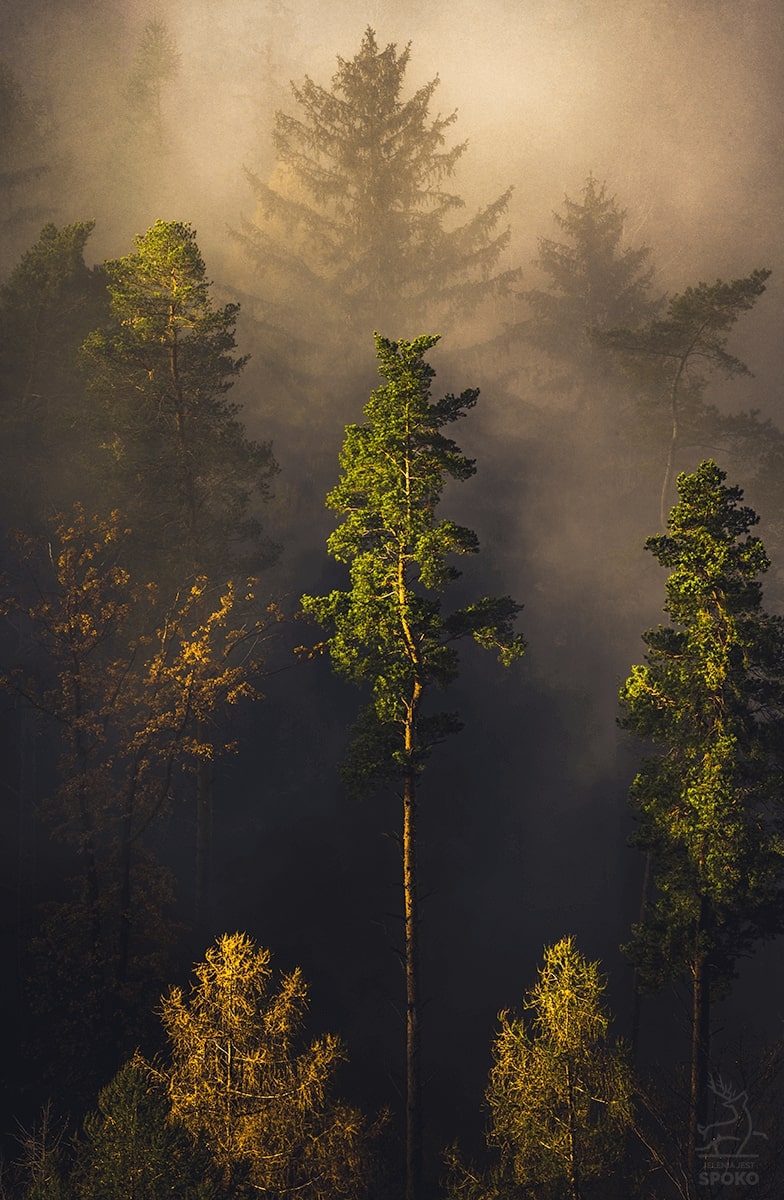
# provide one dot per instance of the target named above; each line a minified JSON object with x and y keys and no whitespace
{"x":203,"y":843}
{"x":413,"y":1082}
{"x":573,"y":1148}
{"x":636,"y":994}
{"x":700,"y":1047}
{"x":673,"y":442}
{"x":189,"y":483}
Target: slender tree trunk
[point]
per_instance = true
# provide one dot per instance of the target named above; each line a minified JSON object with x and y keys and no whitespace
{"x":636,"y":995}
{"x":186,"y":463}
{"x":413,"y":1082}
{"x":673,"y":441}
{"x":700,"y":1050}
{"x":203,"y":843}
{"x":573,"y":1148}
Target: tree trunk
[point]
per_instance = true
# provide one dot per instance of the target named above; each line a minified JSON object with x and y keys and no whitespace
{"x":203,"y":845}
{"x":413,"y":1083}
{"x":700,"y":1050}
{"x":574,"y":1165}
{"x":663,"y":507}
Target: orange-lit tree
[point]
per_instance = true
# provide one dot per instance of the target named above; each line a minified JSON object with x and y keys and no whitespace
{"x":132,"y":697}
{"x":243,"y":1077}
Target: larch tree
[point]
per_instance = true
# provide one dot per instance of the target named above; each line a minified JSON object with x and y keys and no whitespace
{"x":243,"y":1078}
{"x":387,"y":630}
{"x":708,"y":801}
{"x":356,"y":225}
{"x":131,"y":697}
{"x":559,"y":1092}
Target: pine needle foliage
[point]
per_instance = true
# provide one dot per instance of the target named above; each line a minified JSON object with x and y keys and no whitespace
{"x":175,"y":452}
{"x":710,"y":697}
{"x":388,"y":630}
{"x":131,"y":1146}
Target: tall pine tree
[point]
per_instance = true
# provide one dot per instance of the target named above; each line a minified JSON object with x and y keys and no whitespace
{"x":710,"y":697}
{"x":387,"y":630}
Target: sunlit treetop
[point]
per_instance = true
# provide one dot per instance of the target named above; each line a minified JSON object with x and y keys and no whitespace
{"x":710,"y":698}
{"x":387,"y":629}
{"x":174,"y":443}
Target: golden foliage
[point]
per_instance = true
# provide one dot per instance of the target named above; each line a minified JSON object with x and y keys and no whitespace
{"x":243,"y":1077}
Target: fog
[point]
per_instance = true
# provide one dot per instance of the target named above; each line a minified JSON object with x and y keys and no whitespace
{"x":677,"y":105}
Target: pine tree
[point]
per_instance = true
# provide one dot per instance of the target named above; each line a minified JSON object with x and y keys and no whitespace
{"x":672,"y":357}
{"x":387,"y":630}
{"x":133,"y":1147}
{"x":708,"y":801}
{"x":177,"y":460}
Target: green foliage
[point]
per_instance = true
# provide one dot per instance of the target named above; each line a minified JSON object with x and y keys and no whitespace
{"x":133,"y":1147}
{"x":559,"y":1092}
{"x":692,"y":337}
{"x":188,"y":478}
{"x":710,"y":696}
{"x":242,"y":1077}
{"x":387,"y":630}
{"x":355,"y":221}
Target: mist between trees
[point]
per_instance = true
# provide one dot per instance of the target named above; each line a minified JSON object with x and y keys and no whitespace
{"x":209,"y":500}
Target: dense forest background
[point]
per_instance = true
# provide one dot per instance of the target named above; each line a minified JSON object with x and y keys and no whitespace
{"x":651,"y":126}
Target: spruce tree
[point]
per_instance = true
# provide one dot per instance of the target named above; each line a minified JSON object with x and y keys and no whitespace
{"x":595,"y":280}
{"x":356,"y":226}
